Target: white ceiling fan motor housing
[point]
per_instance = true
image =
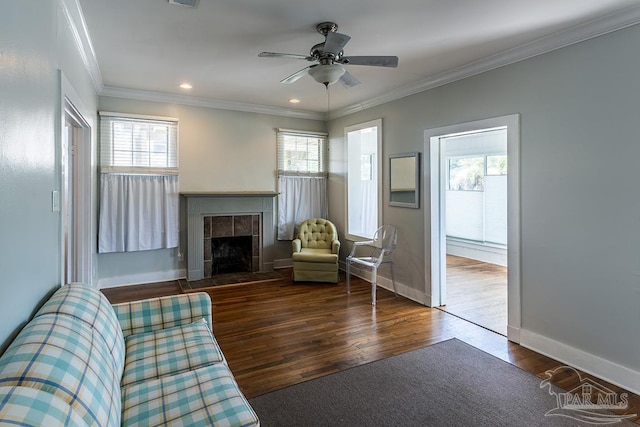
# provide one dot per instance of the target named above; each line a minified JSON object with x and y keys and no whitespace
{"x":188,"y":3}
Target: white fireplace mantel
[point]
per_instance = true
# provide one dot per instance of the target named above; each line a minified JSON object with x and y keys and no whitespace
{"x":201,"y":204}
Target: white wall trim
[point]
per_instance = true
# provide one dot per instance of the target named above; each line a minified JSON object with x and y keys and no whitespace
{"x":85,"y":233}
{"x":513,"y":333}
{"x":494,"y":254}
{"x":386,"y":283}
{"x":208,"y":103}
{"x":587,"y":362}
{"x":600,"y":26}
{"x":75,"y":18}
{"x":433,"y":190}
{"x":283,"y":263}
{"x":139,"y":279}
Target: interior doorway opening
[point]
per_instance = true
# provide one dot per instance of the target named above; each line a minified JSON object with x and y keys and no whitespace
{"x":475,"y":186}
{"x":474,"y":222}
{"x":75,"y":195}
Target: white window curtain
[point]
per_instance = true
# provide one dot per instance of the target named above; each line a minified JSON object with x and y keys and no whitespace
{"x":302,"y":179}
{"x":138,"y":212}
{"x":138,"y":183}
{"x":300,"y":198}
{"x":369,"y":217}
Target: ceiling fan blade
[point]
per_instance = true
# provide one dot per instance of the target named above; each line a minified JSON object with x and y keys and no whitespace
{"x":335,"y":42}
{"x":378,"y":61}
{"x":285,"y":55}
{"x":348,"y":80}
{"x":295,"y":76}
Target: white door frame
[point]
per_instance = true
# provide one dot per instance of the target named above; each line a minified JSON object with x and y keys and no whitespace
{"x":435,"y":222}
{"x":80,"y":176}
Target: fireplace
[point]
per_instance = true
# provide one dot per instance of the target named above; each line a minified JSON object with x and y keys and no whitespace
{"x":231,"y":244}
{"x":245,"y":215}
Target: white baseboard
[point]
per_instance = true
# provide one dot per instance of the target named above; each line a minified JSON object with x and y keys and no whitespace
{"x":482,"y":252}
{"x":282,"y":263}
{"x":383,"y":282}
{"x":386,"y":283}
{"x":513,"y":334}
{"x":587,"y":362}
{"x":139,"y":279}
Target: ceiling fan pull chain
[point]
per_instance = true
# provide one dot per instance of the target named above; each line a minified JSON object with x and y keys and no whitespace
{"x":328,"y":99}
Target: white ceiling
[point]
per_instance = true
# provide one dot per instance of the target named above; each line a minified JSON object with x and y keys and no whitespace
{"x":153,"y":46}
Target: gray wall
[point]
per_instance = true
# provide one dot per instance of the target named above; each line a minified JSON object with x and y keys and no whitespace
{"x":580,"y":210}
{"x":34,"y":43}
{"x":219,"y":150}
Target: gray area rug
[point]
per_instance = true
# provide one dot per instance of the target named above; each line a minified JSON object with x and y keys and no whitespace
{"x":446,"y":384}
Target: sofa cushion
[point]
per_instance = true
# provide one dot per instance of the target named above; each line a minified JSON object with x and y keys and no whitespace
{"x":26,"y":406}
{"x":169,"y":351}
{"x":153,"y":314}
{"x":205,"y":397}
{"x":90,"y":306}
{"x":65,"y":357}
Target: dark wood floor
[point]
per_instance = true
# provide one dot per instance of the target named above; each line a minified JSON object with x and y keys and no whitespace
{"x":477,"y":292}
{"x":281,"y":333}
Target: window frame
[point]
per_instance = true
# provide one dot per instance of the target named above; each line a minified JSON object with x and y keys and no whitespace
{"x":108,"y":146}
{"x":351,"y":234}
{"x":281,"y":134}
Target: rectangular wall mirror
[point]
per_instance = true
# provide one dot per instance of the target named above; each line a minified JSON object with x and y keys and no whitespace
{"x":404,"y":180}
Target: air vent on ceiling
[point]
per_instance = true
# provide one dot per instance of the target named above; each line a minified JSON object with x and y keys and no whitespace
{"x":189,"y":3}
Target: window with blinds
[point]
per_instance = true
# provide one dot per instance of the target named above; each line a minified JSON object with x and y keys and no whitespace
{"x":138,"y":183}
{"x":133,"y":144}
{"x":302,"y":153}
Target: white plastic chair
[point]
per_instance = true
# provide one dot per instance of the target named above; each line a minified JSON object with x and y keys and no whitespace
{"x":379,"y":252}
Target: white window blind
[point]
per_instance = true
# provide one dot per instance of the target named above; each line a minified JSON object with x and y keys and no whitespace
{"x":302,"y":179}
{"x":138,"y":183}
{"x":133,"y":144}
{"x":302,"y":153}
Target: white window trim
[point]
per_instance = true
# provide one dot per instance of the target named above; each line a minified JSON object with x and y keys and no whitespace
{"x":372,"y":123}
{"x":303,"y":133}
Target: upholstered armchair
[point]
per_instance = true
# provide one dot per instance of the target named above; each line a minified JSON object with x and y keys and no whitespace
{"x":315,"y":252}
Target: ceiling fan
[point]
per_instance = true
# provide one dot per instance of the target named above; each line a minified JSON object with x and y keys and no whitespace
{"x":329,"y":58}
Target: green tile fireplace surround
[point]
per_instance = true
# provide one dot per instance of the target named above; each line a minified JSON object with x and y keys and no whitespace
{"x":237,"y":205}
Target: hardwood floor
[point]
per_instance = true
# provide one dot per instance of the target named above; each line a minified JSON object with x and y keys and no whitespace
{"x":276,"y":334}
{"x":477,"y":292}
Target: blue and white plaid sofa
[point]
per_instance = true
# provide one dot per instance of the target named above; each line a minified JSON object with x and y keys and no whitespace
{"x":82,"y":361}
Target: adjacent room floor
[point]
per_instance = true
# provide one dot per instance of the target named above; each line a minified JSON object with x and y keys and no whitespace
{"x":477,"y":292}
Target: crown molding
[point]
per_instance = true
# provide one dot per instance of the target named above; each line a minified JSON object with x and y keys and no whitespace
{"x":75,"y":18}
{"x":209,"y":103}
{"x":597,"y":27}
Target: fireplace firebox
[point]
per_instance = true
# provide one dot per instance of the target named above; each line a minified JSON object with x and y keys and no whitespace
{"x":231,"y":255}
{"x":231,"y":244}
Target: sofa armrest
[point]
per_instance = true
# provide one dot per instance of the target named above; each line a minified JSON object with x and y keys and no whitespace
{"x":335,"y":247}
{"x":296,"y":245}
{"x":164,"y":312}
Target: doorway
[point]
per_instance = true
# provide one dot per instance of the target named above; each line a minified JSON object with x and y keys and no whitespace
{"x":75,"y":200}
{"x":474,"y":222}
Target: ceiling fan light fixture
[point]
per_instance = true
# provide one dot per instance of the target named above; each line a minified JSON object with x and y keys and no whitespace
{"x":327,"y":74}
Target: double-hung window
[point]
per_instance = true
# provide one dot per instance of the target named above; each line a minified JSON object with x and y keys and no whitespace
{"x":138,"y":183}
{"x":302,"y":178}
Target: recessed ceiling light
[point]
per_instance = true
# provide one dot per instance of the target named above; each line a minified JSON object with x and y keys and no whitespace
{"x":185,"y":86}
{"x":294,"y":100}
